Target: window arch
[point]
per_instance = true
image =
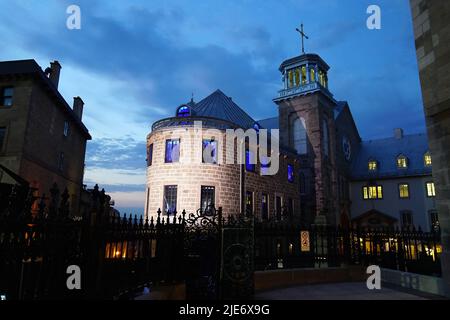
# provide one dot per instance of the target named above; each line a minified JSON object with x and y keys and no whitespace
{"x":402,"y":162}
{"x":298,"y":135}
{"x":184,"y":111}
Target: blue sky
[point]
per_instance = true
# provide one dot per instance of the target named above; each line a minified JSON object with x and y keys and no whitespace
{"x":134,"y":62}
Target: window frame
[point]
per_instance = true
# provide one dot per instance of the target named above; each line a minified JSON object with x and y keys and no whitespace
{"x":66,"y":129}
{"x":402,"y":157}
{"x":3,"y":97}
{"x":166,"y":160}
{"x":427,"y":160}
{"x":366,"y":190}
{"x":433,"y":189}
{"x":213,"y":142}
{"x":202,"y":194}
{"x":291,"y":174}
{"x":169,"y":188}
{"x":400,"y":192}
{"x":403,"y":213}
{"x":149,"y":154}
{"x":371,"y":168}
{"x":250,"y":205}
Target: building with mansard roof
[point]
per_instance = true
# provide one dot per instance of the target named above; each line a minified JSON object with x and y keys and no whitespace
{"x":327,"y":174}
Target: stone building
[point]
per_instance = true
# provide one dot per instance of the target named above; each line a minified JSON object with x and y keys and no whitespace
{"x":432,"y":37}
{"x":326,"y":173}
{"x":42,"y":139}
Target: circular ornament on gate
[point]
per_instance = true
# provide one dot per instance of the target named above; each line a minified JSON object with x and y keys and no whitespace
{"x":237,"y":263}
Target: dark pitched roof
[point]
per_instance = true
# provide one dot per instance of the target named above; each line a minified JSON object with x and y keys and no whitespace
{"x":305,"y":57}
{"x":386,"y":151}
{"x":31,"y":67}
{"x":218,"y":105}
{"x":270,"y":123}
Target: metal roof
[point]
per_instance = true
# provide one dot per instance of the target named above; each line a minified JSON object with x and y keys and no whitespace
{"x":386,"y":151}
{"x":218,"y":105}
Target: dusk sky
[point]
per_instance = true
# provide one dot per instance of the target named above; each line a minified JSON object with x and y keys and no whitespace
{"x":133,"y":62}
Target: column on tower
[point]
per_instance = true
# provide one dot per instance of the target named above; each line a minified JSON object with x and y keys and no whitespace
{"x":307,"y":73}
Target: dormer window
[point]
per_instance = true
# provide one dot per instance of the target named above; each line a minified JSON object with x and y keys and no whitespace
{"x":402,"y":162}
{"x":183,"y":111}
{"x":372,"y":165}
{"x":427,"y":159}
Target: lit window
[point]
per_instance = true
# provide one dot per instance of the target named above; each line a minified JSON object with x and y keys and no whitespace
{"x":403,"y":190}
{"x":183,"y":111}
{"x":372,"y":192}
{"x":66,"y":128}
{"x":2,"y":137}
{"x":249,"y":203}
{"x":172,"y":151}
{"x":372,"y":165}
{"x":431,"y":192}
{"x":304,"y":79}
{"x":170,"y":199}
{"x":312,"y":75}
{"x":6,"y":96}
{"x":249,"y":161}
{"x":297,"y":77}
{"x":149,"y":155}
{"x":402,"y":162}
{"x":209,"y":153}
{"x":406,"y":218}
{"x":427,"y":159}
{"x":290,"y":171}
{"x":207,"y":198}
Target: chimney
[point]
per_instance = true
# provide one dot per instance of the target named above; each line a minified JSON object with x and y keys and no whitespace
{"x":398,"y":133}
{"x":55,"y":68}
{"x":78,"y":105}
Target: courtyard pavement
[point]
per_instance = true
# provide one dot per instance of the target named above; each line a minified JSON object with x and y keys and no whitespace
{"x":339,"y":291}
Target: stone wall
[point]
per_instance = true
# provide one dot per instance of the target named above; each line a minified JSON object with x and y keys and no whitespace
{"x":432,"y":37}
{"x":189,"y":174}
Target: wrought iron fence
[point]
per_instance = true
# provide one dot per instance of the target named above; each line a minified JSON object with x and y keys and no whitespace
{"x":118,"y":255}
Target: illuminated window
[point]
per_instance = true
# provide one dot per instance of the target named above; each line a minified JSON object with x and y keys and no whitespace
{"x":304,"y":79}
{"x":249,"y":161}
{"x":2,"y":137}
{"x":297,"y":77}
{"x":406,"y":218}
{"x":372,"y":192}
{"x":403,"y":190}
{"x":290,"y":172}
{"x":209,"y":153}
{"x":373,"y":165}
{"x":6,"y":96}
{"x":402,"y":162}
{"x":312,"y":75}
{"x":149,"y":155}
{"x":207,"y":200}
{"x":431,"y":192}
{"x":170,"y":199}
{"x":249,"y":203}
{"x":183,"y":111}
{"x":172,"y":150}
{"x":427,"y":159}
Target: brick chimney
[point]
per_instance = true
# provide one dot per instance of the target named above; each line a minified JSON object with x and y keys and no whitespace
{"x":398,"y":133}
{"x":55,"y":71}
{"x":78,"y":105}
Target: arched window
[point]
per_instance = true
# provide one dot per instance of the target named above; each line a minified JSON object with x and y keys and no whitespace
{"x":427,"y":159}
{"x":183,"y":111}
{"x":402,"y":162}
{"x":326,"y":142}
{"x":298,"y":135}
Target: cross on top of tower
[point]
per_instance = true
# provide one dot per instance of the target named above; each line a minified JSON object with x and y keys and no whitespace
{"x":303,"y":35}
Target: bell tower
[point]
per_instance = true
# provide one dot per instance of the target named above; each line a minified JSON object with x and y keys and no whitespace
{"x":307,"y":127}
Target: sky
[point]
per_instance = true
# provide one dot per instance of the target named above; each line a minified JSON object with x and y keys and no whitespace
{"x":134,"y":62}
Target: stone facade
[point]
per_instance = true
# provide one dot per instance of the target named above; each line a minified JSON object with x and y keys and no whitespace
{"x":432,"y":37}
{"x":190,"y":174}
{"x":35,"y":139}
